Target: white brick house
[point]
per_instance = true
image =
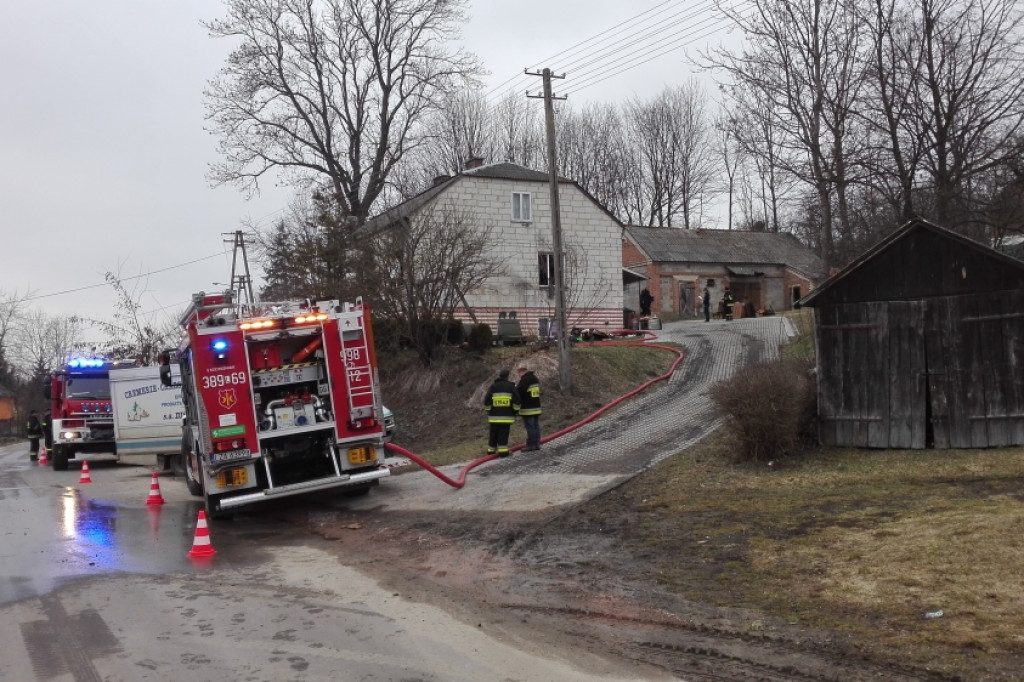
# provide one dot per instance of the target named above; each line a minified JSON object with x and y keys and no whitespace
{"x":513,"y":202}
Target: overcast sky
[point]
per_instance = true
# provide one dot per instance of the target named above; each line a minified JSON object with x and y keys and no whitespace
{"x":103,"y":152}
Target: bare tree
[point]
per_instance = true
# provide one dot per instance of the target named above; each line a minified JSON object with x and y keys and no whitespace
{"x":970,"y":96}
{"x":519,"y":132}
{"x":461,"y":131}
{"x":331,"y":89}
{"x":12,"y":308}
{"x":135,"y":335}
{"x":802,"y":62}
{"x":44,"y":342}
{"x":731,"y":154}
{"x":593,"y":151}
{"x":894,"y":150}
{"x":674,"y":146}
{"x":765,"y":159}
{"x":424,"y":268}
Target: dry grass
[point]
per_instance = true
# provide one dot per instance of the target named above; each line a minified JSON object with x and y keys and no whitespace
{"x":439,"y":409}
{"x":864,"y":541}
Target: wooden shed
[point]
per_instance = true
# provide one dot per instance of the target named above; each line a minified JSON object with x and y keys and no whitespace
{"x":920,"y":344}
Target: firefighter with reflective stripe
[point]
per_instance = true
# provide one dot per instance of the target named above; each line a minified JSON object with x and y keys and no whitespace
{"x":502,"y":406}
{"x":47,"y":425}
{"x":34,"y":431}
{"x":529,"y":399}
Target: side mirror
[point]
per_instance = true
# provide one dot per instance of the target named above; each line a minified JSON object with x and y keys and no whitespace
{"x":47,"y":390}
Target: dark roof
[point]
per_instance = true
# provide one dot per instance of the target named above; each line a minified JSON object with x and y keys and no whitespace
{"x":5,"y":392}
{"x":737,"y":249}
{"x":919,"y":260}
{"x":497,"y":171}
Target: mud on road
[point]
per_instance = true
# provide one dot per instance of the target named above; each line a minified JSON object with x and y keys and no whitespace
{"x":542,"y":546}
{"x":567,"y":581}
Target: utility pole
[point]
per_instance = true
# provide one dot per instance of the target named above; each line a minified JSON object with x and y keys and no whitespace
{"x":241,"y":282}
{"x":562,"y":336}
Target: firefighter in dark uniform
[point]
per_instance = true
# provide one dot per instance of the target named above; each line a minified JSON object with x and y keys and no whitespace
{"x":529,"y":407}
{"x":47,"y":423}
{"x":728,"y":300}
{"x":34,"y":431}
{"x":502,"y":406}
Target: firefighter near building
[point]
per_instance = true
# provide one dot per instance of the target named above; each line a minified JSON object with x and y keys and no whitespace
{"x":280,"y":399}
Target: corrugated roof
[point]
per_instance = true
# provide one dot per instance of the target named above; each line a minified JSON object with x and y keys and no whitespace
{"x":726,"y":247}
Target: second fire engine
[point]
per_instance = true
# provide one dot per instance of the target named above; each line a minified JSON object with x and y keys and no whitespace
{"x":280,"y":399}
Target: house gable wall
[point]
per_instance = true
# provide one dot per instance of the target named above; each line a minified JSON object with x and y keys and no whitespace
{"x":595,"y":299}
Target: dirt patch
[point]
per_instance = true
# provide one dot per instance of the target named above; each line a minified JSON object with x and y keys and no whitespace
{"x":575,"y":580}
{"x":815,"y":568}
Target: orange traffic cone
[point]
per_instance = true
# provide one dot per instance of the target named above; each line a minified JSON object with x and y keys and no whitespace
{"x":84,"y":478}
{"x":43,"y":460}
{"x":154,"y":491}
{"x":201,"y":546}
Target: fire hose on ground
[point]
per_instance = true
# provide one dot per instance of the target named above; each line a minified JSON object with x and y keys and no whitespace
{"x":477,"y":462}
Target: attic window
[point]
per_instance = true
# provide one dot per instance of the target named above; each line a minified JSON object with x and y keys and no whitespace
{"x":521,"y":207}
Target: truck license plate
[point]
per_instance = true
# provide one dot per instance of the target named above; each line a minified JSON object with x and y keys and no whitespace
{"x":230,"y":456}
{"x":232,"y":477}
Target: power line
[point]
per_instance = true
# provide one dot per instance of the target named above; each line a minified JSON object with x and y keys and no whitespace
{"x":646,"y":54}
{"x":123,"y":279}
{"x":640,"y":30}
{"x":573,"y":47}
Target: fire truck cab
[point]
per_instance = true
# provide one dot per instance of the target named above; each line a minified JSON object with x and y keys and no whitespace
{"x":280,"y":399}
{"x":83,"y":422}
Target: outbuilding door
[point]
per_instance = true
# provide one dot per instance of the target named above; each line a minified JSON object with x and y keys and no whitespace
{"x":944,"y":372}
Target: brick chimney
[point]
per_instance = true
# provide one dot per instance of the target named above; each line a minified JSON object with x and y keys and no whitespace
{"x":475,"y":162}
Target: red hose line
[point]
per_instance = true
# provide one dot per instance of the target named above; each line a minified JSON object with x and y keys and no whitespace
{"x":477,"y":462}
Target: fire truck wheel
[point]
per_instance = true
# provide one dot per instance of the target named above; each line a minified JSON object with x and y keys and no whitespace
{"x":193,"y":473}
{"x":60,"y":458}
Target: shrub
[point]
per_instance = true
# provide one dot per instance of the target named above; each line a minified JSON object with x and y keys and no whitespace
{"x":769,"y":406}
{"x":453,"y":332}
{"x":480,"y":337}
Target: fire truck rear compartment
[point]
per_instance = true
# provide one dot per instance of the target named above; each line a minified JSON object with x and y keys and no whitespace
{"x":295,"y":460}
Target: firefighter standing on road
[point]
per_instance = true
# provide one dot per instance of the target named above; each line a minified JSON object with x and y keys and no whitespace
{"x":502,"y":406}
{"x":47,"y":423}
{"x":34,"y":431}
{"x":529,"y":397}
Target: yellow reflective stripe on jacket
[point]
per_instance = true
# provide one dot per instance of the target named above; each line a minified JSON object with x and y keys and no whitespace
{"x":529,"y":412}
{"x":501,"y":419}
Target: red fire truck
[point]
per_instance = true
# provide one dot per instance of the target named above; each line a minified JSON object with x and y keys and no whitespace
{"x":280,"y":399}
{"x":83,"y":421}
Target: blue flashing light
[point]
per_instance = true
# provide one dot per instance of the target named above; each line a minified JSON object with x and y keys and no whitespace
{"x":84,"y":363}
{"x":220,"y":349}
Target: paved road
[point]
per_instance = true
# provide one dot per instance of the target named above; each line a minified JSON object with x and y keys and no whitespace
{"x":664,"y":420}
{"x":95,"y":585}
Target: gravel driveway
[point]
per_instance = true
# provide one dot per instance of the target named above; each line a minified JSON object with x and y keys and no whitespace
{"x":666,"y":419}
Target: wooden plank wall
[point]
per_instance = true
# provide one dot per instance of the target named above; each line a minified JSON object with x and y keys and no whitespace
{"x":906,"y":380}
{"x":853,"y":370}
{"x":889,"y":370}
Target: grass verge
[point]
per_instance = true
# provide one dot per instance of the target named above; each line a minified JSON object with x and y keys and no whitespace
{"x":871,"y":543}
